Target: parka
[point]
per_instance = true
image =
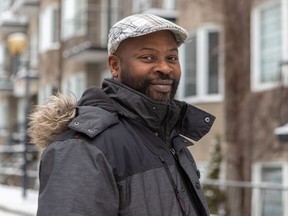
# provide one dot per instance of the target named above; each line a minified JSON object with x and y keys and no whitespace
{"x":118,"y":153}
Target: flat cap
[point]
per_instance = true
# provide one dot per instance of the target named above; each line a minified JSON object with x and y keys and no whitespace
{"x":139,"y":25}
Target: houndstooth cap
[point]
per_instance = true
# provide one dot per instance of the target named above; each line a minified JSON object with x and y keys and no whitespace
{"x":142,"y":24}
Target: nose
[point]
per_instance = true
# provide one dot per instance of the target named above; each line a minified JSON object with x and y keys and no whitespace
{"x":162,"y":66}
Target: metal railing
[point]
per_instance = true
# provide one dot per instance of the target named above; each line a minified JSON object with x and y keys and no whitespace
{"x":264,"y":198}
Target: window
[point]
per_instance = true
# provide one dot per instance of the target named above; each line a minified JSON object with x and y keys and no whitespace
{"x":266,"y":200}
{"x":75,"y":84}
{"x":201,"y":70}
{"x":267,"y":45}
{"x":49,"y":28}
{"x":74,"y":18}
{"x":191,"y":67}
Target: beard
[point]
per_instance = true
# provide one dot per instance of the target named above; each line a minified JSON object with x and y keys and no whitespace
{"x":143,"y":85}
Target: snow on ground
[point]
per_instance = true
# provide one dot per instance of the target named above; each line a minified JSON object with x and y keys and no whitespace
{"x":5,"y":213}
{"x":12,"y":200}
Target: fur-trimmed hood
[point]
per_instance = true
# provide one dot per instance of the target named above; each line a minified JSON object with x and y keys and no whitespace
{"x":51,"y":119}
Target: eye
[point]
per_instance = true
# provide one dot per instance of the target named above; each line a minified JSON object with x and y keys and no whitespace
{"x":147,"y":58}
{"x":173,"y":58}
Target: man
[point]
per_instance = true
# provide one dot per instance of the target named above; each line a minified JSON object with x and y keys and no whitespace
{"x":123,"y":149}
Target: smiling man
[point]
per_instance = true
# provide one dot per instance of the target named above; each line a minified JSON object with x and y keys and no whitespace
{"x":148,"y":64}
{"x":122,"y":149}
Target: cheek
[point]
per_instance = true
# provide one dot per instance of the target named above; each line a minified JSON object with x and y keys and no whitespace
{"x":137,"y":70}
{"x":177,"y":73}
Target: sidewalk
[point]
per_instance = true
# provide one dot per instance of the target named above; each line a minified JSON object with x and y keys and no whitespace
{"x":11,"y":200}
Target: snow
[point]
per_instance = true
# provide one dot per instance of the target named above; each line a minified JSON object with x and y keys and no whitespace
{"x":281,"y":130}
{"x":12,"y":200}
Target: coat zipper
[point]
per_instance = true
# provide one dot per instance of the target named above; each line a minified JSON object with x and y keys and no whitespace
{"x":176,"y":191}
{"x":197,"y":204}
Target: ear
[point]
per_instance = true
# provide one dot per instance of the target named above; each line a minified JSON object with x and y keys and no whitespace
{"x":114,"y":65}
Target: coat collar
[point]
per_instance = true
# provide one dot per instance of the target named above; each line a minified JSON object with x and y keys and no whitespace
{"x":189,"y":121}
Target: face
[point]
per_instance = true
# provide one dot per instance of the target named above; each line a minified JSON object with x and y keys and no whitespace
{"x":148,"y":64}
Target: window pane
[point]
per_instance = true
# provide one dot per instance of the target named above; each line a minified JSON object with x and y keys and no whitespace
{"x":271,"y":200}
{"x":74,"y":18}
{"x":80,"y":17}
{"x":213,"y":64}
{"x":191,"y":66}
{"x":270,"y":43}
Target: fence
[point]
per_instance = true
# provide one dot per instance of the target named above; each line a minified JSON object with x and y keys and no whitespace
{"x":260,"y":199}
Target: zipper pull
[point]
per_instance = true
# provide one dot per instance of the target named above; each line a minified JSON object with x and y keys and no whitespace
{"x":173,"y":152}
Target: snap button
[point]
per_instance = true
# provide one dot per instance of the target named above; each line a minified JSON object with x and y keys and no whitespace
{"x":198,"y":174}
{"x":90,"y":130}
{"x":207,"y":119}
{"x":184,"y":140}
{"x":183,"y":190}
{"x":76,"y":123}
{"x":154,"y":108}
{"x":197,"y":185}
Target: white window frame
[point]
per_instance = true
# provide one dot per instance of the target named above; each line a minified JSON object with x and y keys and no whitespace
{"x":46,"y":24}
{"x":256,"y":85}
{"x":256,"y":179}
{"x":69,"y":29}
{"x":201,"y":79}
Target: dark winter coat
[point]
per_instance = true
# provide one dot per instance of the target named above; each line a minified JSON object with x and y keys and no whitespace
{"x":124,"y":154}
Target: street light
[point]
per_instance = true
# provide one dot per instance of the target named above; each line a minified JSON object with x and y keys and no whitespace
{"x":16,"y":45}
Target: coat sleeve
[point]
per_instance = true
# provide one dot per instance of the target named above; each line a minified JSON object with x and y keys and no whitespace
{"x":76,"y":180}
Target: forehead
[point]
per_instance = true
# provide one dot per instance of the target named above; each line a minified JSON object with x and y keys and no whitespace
{"x":164,"y":37}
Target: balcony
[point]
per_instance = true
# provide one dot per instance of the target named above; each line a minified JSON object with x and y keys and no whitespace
{"x":10,"y":23}
{"x":25,"y":7}
{"x":85,"y":52}
{"x":85,"y":35}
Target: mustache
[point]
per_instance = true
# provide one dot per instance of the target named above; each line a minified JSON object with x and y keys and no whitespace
{"x":166,"y":78}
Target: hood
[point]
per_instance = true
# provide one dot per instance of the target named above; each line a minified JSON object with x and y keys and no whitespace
{"x":51,"y":119}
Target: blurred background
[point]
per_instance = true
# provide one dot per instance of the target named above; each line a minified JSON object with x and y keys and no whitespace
{"x":234,"y":65}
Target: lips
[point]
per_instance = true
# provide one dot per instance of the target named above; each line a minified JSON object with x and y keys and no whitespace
{"x":163,"y":86}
